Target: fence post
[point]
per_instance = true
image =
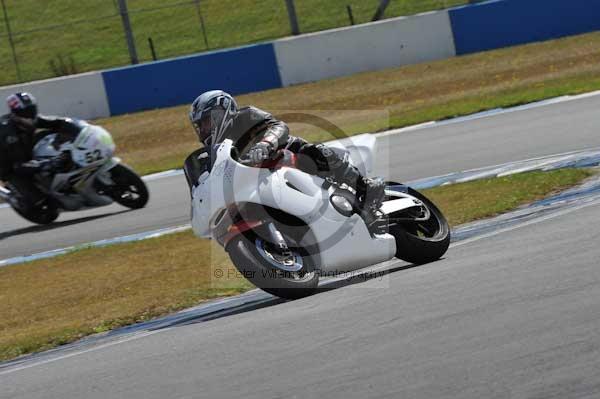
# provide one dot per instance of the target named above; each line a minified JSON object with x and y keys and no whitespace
{"x":291,"y":9}
{"x":350,"y":14}
{"x":11,"y":42}
{"x":152,"y":49}
{"x":201,"y":17}
{"x":381,"y":10}
{"x":128,"y":33}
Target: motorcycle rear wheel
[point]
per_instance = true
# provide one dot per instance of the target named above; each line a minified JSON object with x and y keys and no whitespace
{"x":422,"y":242}
{"x":43,"y":214}
{"x":252,"y":256}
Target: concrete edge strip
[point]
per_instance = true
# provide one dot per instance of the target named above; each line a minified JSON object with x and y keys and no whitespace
{"x":100,"y":243}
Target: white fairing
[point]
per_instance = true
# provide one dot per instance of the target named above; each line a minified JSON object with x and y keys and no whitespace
{"x":92,"y":151}
{"x":93,"y":144}
{"x":345,"y":244}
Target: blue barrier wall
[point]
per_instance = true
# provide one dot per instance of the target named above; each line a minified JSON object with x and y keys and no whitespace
{"x":179,"y":81}
{"x":503,"y":23}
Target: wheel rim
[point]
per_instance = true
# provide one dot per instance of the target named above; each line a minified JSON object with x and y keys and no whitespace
{"x":429,"y":229}
{"x":292,"y":268}
{"x":432,"y":229}
{"x":130,"y":193}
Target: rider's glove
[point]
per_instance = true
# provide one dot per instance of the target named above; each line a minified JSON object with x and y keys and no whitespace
{"x":60,"y":162}
{"x":56,"y":164}
{"x":29,"y":168}
{"x":260,"y":152}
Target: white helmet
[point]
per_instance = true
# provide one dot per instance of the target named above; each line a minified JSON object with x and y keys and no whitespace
{"x":211,"y":114}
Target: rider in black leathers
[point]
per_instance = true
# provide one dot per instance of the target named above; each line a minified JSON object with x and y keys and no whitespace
{"x":216,"y":117}
{"x":17,"y":139}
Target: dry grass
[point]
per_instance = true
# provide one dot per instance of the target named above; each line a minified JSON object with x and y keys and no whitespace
{"x":463,"y":203}
{"x":157,"y":140}
{"x":50,"y":302}
{"x":54,"y":301}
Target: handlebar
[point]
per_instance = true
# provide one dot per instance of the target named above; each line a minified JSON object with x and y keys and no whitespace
{"x":282,"y":158}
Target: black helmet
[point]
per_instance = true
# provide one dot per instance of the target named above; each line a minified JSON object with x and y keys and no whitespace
{"x":23,"y":105}
{"x":211,"y":114}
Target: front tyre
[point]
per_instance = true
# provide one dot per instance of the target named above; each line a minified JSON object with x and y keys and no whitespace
{"x":421,"y":242}
{"x":129,"y":189}
{"x":256,"y":259}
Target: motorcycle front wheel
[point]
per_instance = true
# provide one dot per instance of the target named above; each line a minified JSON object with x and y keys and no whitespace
{"x":421,"y":242}
{"x":129,"y":189}
{"x":257,"y":260}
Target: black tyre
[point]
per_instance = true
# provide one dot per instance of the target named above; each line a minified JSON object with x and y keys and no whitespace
{"x":42,"y":214}
{"x":129,"y":189}
{"x":252,"y":256}
{"x":422,"y":242}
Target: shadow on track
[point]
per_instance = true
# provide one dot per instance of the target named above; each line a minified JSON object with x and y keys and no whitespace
{"x":269,"y":301}
{"x":56,"y":225}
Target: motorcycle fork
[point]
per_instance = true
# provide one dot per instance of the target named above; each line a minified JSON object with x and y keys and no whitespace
{"x":276,"y":238}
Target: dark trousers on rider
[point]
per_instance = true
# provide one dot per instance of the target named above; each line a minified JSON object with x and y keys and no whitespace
{"x":28,"y":193}
{"x":320,"y":160}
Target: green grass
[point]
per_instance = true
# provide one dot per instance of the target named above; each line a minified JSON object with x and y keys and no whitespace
{"x":463,"y":203}
{"x":55,"y":301}
{"x":97,"y":40}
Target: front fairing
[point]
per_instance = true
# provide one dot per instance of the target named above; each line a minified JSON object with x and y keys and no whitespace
{"x":229,"y":183}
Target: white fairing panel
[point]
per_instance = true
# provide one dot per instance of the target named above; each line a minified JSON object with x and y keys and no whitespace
{"x":92,"y":152}
{"x":92,"y":144}
{"x":44,"y":148}
{"x":345,"y":243}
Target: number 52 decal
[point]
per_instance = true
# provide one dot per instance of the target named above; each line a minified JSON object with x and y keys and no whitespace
{"x":93,"y":156}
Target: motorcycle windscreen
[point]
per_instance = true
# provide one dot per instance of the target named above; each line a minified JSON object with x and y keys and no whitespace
{"x":195,"y":165}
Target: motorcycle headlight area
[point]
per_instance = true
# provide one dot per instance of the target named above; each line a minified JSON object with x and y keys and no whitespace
{"x":342,"y":205}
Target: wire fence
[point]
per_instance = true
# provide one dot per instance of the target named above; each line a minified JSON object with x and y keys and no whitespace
{"x":61,"y":37}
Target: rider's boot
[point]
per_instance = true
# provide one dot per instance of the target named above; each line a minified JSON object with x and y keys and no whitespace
{"x":370,"y":192}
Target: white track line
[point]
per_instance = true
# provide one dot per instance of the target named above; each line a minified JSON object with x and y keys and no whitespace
{"x":490,"y":113}
{"x":525,"y":224}
{"x":95,"y":244}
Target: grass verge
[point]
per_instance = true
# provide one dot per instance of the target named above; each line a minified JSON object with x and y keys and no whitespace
{"x":55,"y":301}
{"x":161,"y":139}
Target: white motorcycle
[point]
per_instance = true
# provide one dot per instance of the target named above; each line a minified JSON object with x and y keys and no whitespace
{"x":91,"y":178}
{"x":283,"y":228}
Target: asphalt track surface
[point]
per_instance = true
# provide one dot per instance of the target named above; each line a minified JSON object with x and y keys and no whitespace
{"x":515,"y":315}
{"x":410,"y":155}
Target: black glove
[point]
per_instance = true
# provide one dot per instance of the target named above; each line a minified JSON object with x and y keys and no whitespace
{"x":56,"y":164}
{"x":30,"y":168}
{"x":260,"y":152}
{"x":60,"y":162}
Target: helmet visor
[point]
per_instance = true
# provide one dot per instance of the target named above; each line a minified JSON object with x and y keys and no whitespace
{"x":209,"y":123}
